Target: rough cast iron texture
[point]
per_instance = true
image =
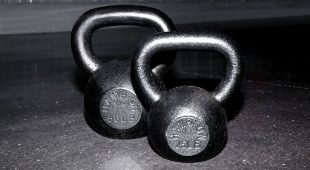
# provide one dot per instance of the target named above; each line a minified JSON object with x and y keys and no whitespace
{"x":41,"y":105}
{"x":111,"y":106}
{"x":186,"y":123}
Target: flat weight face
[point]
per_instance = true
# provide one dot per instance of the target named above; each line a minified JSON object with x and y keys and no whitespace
{"x":187,"y":135}
{"x":120,"y":108}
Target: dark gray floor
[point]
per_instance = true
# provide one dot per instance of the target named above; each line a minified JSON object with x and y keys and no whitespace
{"x":42,"y":124}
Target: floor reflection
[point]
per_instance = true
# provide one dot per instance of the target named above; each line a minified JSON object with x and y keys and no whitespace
{"x":125,"y":162}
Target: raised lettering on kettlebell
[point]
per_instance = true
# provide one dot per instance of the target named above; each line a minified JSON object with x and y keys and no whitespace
{"x":111,"y":105}
{"x":186,"y":123}
{"x":120,"y":109}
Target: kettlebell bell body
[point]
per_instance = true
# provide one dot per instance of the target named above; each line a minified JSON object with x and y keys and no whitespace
{"x":186,"y":123}
{"x":111,"y":105}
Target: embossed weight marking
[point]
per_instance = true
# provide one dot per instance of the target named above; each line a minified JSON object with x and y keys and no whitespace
{"x":111,"y":106}
{"x":120,"y":108}
{"x":187,"y":135}
{"x":186,"y":123}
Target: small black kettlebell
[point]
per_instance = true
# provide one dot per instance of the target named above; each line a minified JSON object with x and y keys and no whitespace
{"x":186,"y":123}
{"x":111,"y":105}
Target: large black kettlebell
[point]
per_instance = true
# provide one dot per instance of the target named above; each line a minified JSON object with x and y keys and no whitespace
{"x":111,"y":105}
{"x":186,"y":123}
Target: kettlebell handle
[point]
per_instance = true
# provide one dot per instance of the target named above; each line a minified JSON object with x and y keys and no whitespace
{"x":110,"y":16}
{"x":141,"y":70}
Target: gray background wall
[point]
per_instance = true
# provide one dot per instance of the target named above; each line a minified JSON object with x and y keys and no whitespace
{"x":44,"y":16}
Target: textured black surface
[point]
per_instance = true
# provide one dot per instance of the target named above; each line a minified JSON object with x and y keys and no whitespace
{"x":42,"y":124}
{"x":111,"y":75}
{"x":116,"y":15}
{"x":187,"y":124}
{"x":188,"y":104}
{"x":115,"y":74}
{"x":145,"y":53}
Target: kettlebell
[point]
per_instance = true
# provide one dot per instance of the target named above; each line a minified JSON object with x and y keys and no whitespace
{"x":111,"y":105}
{"x":186,"y":123}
